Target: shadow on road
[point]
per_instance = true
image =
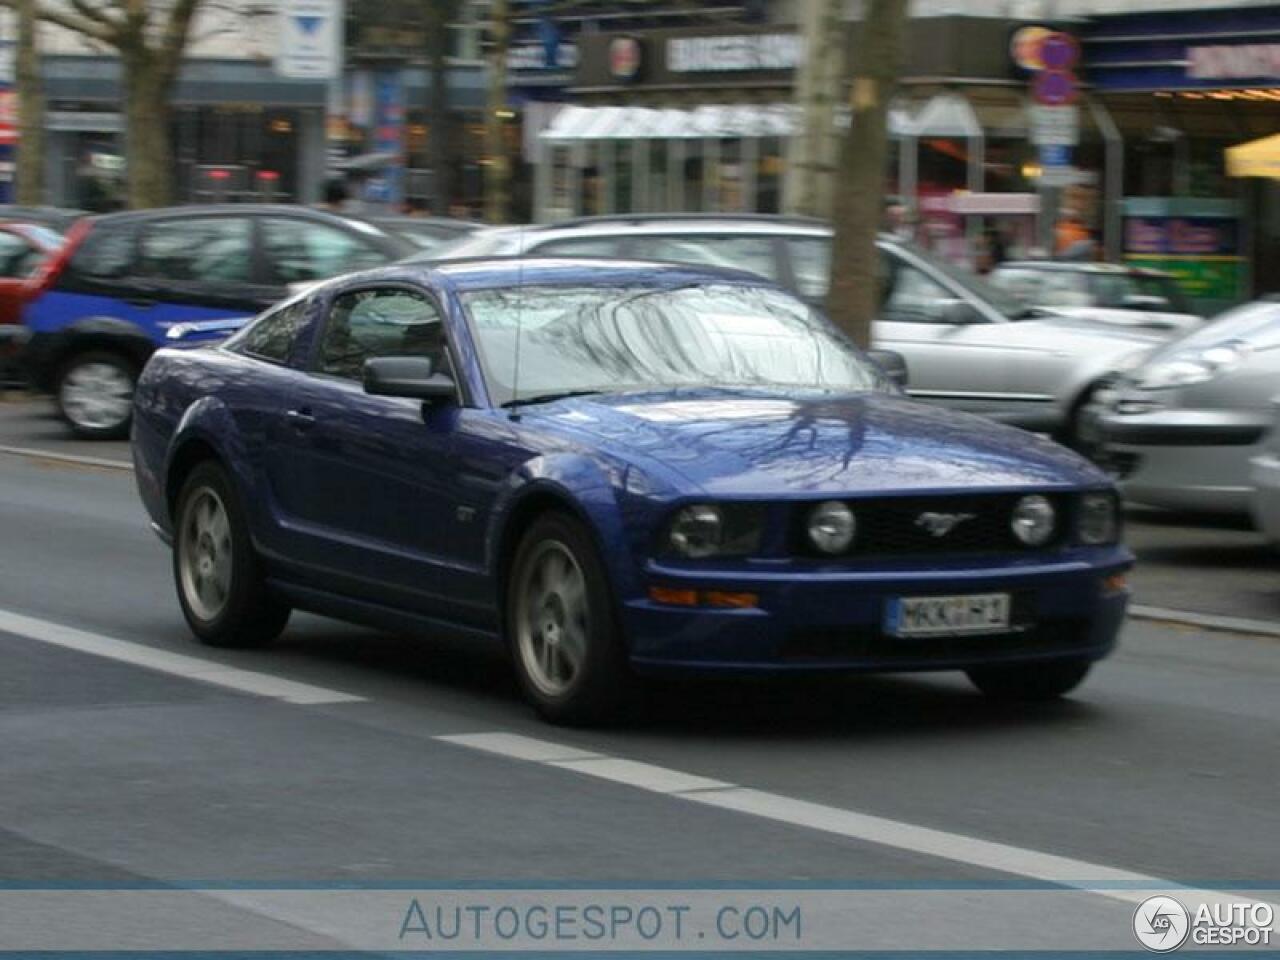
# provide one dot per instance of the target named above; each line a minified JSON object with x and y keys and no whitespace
{"x":476,"y":678}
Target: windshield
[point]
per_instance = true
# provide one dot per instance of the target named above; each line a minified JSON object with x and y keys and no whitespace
{"x":1257,"y":324}
{"x":615,"y":339}
{"x":483,"y":243}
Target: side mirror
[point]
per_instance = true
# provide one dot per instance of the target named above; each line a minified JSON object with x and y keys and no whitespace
{"x":960,"y":313}
{"x":892,"y":364}
{"x":413,"y":377}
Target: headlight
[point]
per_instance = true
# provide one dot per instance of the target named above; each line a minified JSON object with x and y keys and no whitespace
{"x":716,"y":530}
{"x":1099,"y":521}
{"x":1192,"y":367}
{"x":832,"y":526}
{"x":1033,"y":520}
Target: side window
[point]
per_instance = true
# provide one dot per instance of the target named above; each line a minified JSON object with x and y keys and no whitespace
{"x":916,"y":297}
{"x":380,"y":323}
{"x":580,"y":247}
{"x":810,"y":265}
{"x":15,"y":256}
{"x":105,"y":254}
{"x":203,"y":249}
{"x":742,"y":253}
{"x":299,"y":250}
{"x":271,"y":336}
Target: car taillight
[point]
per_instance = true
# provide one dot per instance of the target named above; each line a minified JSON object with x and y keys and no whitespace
{"x":46,"y":275}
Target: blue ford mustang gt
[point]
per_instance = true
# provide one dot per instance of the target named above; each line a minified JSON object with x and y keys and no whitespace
{"x":617,"y":468}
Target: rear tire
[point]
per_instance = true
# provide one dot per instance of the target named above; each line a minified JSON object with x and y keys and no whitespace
{"x":561,"y":626}
{"x":219,"y":578}
{"x":1030,"y":682}
{"x":94,"y":393}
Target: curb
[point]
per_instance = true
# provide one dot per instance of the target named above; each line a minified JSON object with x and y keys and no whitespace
{"x":68,"y":458}
{"x":1207,"y":621}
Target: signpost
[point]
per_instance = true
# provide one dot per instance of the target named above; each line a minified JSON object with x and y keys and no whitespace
{"x":310,"y":39}
{"x":1050,"y":56}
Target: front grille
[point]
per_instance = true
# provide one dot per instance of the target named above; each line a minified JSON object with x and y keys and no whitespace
{"x":892,"y":527}
{"x":840,"y":645}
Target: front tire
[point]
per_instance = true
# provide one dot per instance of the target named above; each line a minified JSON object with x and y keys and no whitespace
{"x":561,"y":628}
{"x":94,"y":392}
{"x":1030,"y":682}
{"x":219,"y":578}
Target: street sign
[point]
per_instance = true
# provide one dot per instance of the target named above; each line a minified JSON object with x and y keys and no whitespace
{"x":1054,"y":88}
{"x":309,"y":32}
{"x":1054,"y":126}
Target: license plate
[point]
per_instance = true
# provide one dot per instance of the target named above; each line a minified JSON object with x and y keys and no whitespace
{"x":947,"y":616}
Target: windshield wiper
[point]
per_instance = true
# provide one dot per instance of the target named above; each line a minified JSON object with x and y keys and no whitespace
{"x":551,"y":397}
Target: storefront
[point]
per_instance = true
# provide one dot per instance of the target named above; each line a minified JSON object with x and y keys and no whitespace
{"x":701,"y":120}
{"x":239,"y":131}
{"x":1183,"y":87}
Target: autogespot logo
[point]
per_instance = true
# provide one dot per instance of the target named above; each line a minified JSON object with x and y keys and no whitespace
{"x":1161,"y":924}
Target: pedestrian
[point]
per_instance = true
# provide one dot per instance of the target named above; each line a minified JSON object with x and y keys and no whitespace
{"x":335,"y":196}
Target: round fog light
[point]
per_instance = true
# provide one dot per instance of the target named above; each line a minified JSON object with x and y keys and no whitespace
{"x":832,"y":526}
{"x":1033,"y":520}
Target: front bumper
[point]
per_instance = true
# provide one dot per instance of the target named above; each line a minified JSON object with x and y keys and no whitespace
{"x":1182,"y":459}
{"x":820,"y":620}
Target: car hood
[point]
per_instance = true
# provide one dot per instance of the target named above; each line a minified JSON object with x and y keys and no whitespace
{"x":749,"y":443}
{"x":1162,"y":324}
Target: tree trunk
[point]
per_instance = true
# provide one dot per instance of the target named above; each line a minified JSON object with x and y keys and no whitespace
{"x":150,"y":154}
{"x":497,"y":168}
{"x":30,"y":165}
{"x":810,"y":174}
{"x":854,"y":298}
{"x":439,"y":138}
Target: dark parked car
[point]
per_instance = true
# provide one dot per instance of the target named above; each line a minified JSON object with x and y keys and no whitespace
{"x":105,"y":302}
{"x":616,"y":467}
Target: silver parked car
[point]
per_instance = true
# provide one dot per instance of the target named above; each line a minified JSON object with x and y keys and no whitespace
{"x":1180,"y":429}
{"x":1110,"y":292}
{"x":968,"y":345}
{"x":1266,"y":480}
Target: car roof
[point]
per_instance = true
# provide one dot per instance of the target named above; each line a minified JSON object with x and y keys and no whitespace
{"x":208,"y":209}
{"x":482,"y":273}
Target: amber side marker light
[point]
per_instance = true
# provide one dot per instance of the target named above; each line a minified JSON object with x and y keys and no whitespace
{"x":1116,"y":583}
{"x":721,"y":599}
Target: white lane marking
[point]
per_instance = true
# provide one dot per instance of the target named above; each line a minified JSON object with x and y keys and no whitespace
{"x":1105,"y":881}
{"x":175,"y":664}
{"x":1209,"y":621}
{"x":72,"y":458}
{"x":646,"y":776}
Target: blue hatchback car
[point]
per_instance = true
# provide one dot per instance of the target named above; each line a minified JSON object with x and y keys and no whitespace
{"x":616,"y":468}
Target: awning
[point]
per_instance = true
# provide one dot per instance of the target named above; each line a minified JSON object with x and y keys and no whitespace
{"x":577,"y":123}
{"x":1258,"y":158}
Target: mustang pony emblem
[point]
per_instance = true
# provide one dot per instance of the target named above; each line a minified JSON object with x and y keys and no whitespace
{"x":940,"y":524}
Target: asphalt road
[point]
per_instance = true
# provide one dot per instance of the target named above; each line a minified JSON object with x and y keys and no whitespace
{"x":117,"y":769}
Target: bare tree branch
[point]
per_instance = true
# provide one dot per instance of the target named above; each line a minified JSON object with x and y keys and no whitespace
{"x":77,"y":24}
{"x":94,"y":12}
{"x":173,"y":41}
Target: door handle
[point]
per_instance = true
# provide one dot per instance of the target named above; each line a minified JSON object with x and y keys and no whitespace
{"x":140,"y":301}
{"x":301,"y":420}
